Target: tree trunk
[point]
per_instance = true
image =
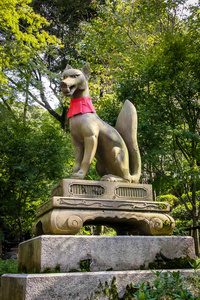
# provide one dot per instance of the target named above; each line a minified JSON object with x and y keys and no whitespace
{"x":64,"y":120}
{"x":195,"y":217}
{"x":196,"y":235}
{"x":20,"y":229}
{"x":26,"y":102}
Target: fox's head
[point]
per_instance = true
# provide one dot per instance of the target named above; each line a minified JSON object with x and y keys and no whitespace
{"x":75,"y":80}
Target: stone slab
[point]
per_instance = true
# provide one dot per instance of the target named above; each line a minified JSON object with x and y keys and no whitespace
{"x":102,"y":190}
{"x":100,"y":253}
{"x":102,"y":204}
{"x":72,"y":286}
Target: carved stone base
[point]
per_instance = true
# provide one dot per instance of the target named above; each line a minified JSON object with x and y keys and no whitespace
{"x":63,"y":221}
{"x":125,"y":207}
{"x":64,"y":215}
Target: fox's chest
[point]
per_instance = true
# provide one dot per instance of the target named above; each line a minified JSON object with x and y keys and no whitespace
{"x":84,"y":125}
{"x":75,"y":126}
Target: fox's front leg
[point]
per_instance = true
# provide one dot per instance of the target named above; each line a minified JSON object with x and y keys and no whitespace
{"x":90,"y":147}
{"x":78,"y":153}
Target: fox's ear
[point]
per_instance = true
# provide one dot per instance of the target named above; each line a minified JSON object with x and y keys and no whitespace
{"x":68,"y":67}
{"x":86,"y":70}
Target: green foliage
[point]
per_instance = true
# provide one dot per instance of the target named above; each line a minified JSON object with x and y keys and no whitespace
{"x":33,"y":156}
{"x":8,"y":266}
{"x":108,"y":231}
{"x":23,"y":34}
{"x":92,"y":173}
{"x":97,"y":230}
{"x":171,"y":199}
{"x":182,"y":213}
{"x":196,"y":264}
{"x":85,"y":230}
{"x":64,"y":23}
{"x":109,"y":109}
{"x":169,"y":285}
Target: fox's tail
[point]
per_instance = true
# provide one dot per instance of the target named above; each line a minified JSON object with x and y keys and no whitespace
{"x":126,"y":125}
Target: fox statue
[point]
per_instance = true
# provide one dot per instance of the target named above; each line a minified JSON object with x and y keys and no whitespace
{"x":115,"y":149}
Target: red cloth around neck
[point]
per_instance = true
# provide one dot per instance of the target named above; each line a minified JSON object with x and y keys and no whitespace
{"x":80,"y":106}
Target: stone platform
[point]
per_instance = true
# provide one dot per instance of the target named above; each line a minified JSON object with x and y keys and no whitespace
{"x":75,"y":286}
{"x":101,"y":253}
{"x":128,"y":208}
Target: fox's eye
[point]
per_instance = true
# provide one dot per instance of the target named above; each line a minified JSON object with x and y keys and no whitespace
{"x":74,"y":76}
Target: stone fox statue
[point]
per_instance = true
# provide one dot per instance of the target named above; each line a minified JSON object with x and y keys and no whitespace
{"x":116,"y":149}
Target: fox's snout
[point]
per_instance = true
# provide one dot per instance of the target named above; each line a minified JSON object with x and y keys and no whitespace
{"x":63,"y":85}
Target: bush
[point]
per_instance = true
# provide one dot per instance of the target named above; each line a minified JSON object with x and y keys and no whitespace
{"x":171,"y":199}
{"x":8,"y":266}
{"x":166,"y":286}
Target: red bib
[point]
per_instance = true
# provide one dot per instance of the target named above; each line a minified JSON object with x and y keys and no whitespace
{"x":80,"y":106}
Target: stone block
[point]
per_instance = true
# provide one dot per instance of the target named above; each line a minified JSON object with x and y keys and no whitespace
{"x":73,"y":286}
{"x":96,"y":204}
{"x":101,"y":253}
{"x":102,"y":190}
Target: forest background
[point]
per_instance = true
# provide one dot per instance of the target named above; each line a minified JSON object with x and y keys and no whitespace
{"x":144,"y":51}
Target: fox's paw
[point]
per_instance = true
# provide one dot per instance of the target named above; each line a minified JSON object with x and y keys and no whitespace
{"x":114,"y":178}
{"x":135,"y":178}
{"x":78,"y":175}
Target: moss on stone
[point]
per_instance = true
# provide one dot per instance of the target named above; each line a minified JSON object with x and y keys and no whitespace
{"x":162,"y":262}
{"x":106,"y":289}
{"x":47,"y":270}
{"x":51,"y":270}
{"x":175,"y":263}
{"x":113,"y":294}
{"x":85,"y":265}
{"x":110,"y":291}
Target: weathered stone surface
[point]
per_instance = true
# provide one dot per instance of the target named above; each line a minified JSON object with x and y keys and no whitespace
{"x":100,"y":253}
{"x":102,"y":204}
{"x":102,"y":190}
{"x":72,"y":286}
{"x":70,"y":221}
{"x":123,"y":206}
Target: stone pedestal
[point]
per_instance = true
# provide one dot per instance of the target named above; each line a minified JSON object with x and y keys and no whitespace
{"x":89,"y":265}
{"x":103,"y":253}
{"x":110,"y":260}
{"x":74,"y":286}
{"x":128,"y":208}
